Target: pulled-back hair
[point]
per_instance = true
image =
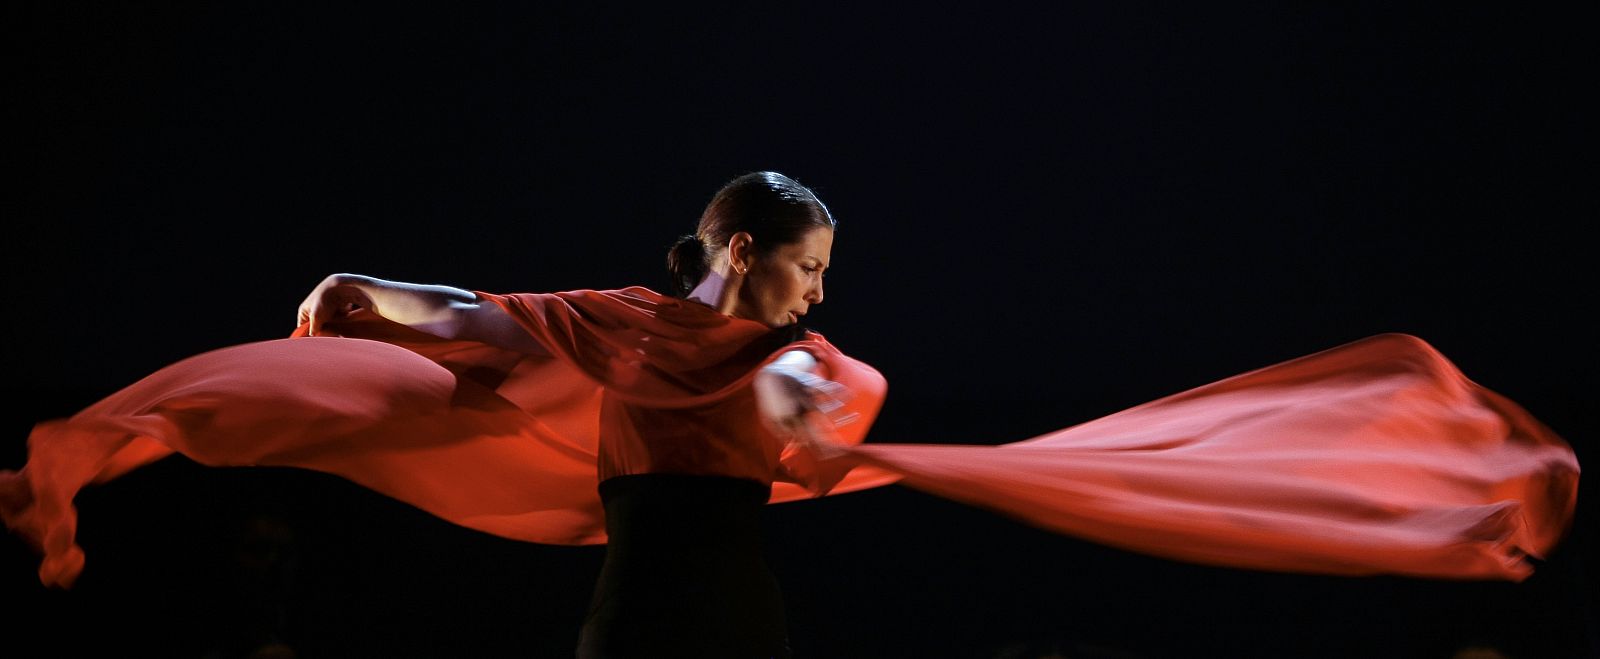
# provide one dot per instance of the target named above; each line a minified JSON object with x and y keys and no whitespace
{"x":774,"y":209}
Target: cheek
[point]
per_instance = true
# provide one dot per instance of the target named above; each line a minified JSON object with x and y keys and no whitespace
{"x":768,"y":292}
{"x":777,"y":292}
{"x":794,"y":288}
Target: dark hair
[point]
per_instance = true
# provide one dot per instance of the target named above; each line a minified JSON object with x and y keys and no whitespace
{"x":774,"y":209}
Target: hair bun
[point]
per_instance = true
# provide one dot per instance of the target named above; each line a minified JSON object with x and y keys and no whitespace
{"x":686,"y":261}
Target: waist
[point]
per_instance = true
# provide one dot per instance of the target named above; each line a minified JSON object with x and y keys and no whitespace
{"x":672,"y":509}
{"x":642,"y":489}
{"x":722,"y":439}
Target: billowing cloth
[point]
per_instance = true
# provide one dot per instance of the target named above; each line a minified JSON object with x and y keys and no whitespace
{"x":1374,"y":457}
{"x":675,"y":397}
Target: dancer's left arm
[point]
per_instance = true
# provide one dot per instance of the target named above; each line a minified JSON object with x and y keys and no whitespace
{"x":788,"y":389}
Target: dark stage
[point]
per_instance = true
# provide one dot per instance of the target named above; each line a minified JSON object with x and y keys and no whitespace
{"x":1045,"y":216}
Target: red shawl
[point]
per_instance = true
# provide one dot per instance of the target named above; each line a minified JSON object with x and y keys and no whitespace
{"x":1373,"y":457}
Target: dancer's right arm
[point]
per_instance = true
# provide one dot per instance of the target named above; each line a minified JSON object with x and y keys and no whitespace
{"x":443,"y":311}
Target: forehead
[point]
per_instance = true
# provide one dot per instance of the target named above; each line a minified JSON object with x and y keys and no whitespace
{"x":817,"y":242}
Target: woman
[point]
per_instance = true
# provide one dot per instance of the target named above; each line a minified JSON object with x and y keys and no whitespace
{"x":659,"y":424}
{"x":683,"y":488}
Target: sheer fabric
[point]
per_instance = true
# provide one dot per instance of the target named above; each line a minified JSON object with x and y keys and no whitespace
{"x":1377,"y":456}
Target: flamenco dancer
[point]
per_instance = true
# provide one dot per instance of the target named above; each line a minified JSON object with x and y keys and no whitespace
{"x":662,"y":425}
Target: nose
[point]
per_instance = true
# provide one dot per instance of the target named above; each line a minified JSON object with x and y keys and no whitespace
{"x":814,"y":295}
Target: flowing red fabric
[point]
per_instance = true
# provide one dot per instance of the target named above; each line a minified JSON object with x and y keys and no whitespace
{"x":1374,"y":457}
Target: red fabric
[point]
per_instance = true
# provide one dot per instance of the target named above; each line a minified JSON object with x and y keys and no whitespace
{"x":1373,"y":457}
{"x":676,"y":397}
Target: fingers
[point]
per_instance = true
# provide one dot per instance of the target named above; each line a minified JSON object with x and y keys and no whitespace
{"x":815,"y":436}
{"x":831,"y":389}
{"x":308,"y":314}
{"x":828,"y":399}
{"x":320,"y":314}
{"x":826,"y":396}
{"x":792,"y":429}
{"x":788,"y":400}
{"x":330,"y":304}
{"x":837,"y":415}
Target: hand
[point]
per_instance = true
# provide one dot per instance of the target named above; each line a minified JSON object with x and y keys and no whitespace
{"x":332,"y":299}
{"x":786,"y":397}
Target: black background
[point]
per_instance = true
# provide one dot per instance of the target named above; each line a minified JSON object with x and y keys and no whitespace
{"x":1045,"y":217}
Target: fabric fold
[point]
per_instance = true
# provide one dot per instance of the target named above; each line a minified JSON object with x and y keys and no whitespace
{"x":1374,"y":457}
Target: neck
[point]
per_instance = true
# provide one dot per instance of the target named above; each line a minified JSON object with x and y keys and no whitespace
{"x":716,"y":291}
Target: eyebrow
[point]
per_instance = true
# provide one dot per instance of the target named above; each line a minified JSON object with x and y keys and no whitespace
{"x":819,"y":261}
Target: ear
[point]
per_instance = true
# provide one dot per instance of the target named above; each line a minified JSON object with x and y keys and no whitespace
{"x":740,"y":252}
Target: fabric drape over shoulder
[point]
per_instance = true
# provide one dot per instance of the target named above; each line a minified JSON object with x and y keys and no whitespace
{"x":1374,"y":457}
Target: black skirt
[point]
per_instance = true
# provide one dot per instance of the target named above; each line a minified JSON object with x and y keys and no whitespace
{"x":685,"y":573}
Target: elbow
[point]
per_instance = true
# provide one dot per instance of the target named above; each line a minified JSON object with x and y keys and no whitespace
{"x":486,"y":322}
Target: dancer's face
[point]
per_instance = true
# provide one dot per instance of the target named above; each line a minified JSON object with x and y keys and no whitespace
{"x":781,"y":284}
